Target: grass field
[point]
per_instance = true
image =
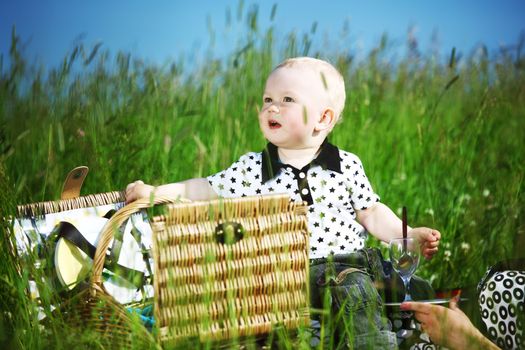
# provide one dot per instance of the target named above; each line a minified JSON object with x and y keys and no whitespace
{"x":443,"y":137}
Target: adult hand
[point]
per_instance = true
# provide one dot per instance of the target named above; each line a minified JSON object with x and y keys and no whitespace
{"x":448,"y":327}
{"x":428,"y":239}
{"x":138,"y":189}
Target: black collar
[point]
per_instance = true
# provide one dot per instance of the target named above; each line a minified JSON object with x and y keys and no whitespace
{"x":328,"y":158}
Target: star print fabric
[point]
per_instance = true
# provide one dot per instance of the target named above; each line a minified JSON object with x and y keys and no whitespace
{"x":334,"y":185}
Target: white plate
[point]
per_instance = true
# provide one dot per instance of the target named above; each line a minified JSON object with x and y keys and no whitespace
{"x":428,"y":301}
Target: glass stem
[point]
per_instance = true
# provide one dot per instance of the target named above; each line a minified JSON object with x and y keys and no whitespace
{"x":406,"y":282}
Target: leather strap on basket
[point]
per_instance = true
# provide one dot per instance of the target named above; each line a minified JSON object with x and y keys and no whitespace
{"x":68,"y":231}
{"x":107,"y":233}
{"x":73,"y":183}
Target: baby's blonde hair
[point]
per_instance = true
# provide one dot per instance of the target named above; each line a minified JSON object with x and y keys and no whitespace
{"x":331,"y":78}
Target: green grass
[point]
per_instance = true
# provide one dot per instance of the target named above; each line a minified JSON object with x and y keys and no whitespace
{"x":442,"y":137}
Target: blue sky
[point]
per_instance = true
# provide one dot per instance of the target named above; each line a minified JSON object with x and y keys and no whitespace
{"x":160,"y":30}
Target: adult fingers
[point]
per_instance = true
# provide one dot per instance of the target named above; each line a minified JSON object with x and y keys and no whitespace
{"x":427,"y":328}
{"x":425,"y":313}
{"x":453,"y":302}
{"x":416,"y":307}
{"x":453,"y":305}
{"x":434,"y":333}
{"x":424,"y":318}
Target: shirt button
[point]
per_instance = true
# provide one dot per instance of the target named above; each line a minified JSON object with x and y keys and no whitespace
{"x":302,"y":175}
{"x":304,"y":191}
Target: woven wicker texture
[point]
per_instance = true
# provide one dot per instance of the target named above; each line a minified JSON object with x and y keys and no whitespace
{"x":230,"y":268}
{"x":95,"y":309}
{"x":91,"y":200}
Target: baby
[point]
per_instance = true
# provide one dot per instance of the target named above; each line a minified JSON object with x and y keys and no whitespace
{"x":302,"y":102}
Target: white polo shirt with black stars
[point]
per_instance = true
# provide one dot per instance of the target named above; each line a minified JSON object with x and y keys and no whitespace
{"x":334,"y":184}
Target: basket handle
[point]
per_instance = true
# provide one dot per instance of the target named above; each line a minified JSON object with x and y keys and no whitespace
{"x":113,"y":223}
{"x":73,"y":183}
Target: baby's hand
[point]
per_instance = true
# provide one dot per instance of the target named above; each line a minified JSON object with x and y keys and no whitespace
{"x":428,"y":239}
{"x":138,"y":189}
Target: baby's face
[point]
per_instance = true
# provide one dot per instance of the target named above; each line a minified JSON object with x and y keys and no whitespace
{"x":294,"y":100}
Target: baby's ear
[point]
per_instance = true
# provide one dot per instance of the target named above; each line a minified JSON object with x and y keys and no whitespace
{"x":326,"y":121}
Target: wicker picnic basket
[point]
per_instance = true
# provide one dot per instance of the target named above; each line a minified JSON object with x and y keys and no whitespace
{"x":104,"y":321}
{"x":230,"y":268}
{"x":224,"y":269}
{"x":95,"y":309}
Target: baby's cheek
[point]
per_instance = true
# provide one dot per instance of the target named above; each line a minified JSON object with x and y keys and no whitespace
{"x":299,"y":129}
{"x":261,"y":125}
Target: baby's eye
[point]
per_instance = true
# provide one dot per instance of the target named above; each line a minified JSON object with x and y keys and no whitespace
{"x":287,"y":99}
{"x":267,"y":100}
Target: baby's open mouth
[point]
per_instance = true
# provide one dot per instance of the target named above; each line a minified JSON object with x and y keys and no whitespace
{"x":273,"y":124}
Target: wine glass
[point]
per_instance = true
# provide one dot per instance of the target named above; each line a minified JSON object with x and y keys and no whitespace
{"x":404,"y":255}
